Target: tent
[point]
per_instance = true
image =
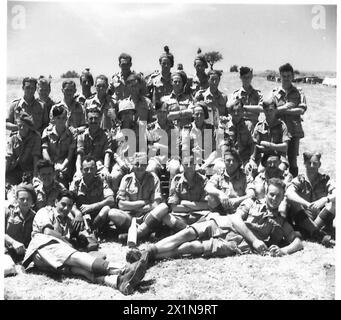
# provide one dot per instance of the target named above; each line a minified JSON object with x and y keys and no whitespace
{"x":329,"y":82}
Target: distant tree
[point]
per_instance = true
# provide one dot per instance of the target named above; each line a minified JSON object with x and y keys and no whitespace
{"x":212,"y":57}
{"x":70,"y":74}
{"x":296,"y":72}
{"x":234,"y":68}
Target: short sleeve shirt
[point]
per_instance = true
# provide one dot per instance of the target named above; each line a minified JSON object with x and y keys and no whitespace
{"x":118,"y":87}
{"x":58,"y":146}
{"x":295,"y":95}
{"x":182,"y":189}
{"x":322,"y":186}
{"x":179,"y":103}
{"x":96,"y":146}
{"x":234,"y":186}
{"x":97,"y":191}
{"x":216,"y":105}
{"x":46,"y":197}
{"x":159,"y":87}
{"x":198,"y":85}
{"x":267,"y":225}
{"x":34,"y":109}
{"x":17,"y":226}
{"x":20,"y":151}
{"x":251,"y":97}
{"x":107,"y":105}
{"x":47,"y":105}
{"x":132,"y":189}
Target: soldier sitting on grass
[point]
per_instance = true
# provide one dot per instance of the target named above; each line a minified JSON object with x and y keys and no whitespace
{"x":51,"y":250}
{"x":257,"y":227}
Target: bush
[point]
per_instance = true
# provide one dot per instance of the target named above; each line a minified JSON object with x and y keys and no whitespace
{"x":234,"y":68}
{"x":70,"y":74}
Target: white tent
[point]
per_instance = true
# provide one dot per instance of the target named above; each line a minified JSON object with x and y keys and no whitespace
{"x":329,"y":82}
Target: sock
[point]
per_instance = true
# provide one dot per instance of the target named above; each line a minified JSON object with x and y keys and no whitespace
{"x":100,"y":266}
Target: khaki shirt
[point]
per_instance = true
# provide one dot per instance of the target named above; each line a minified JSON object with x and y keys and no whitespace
{"x":182,"y":189}
{"x":57,"y":146}
{"x":179,"y":103}
{"x":47,"y":104}
{"x":21,"y":151}
{"x":132,"y":189}
{"x":216,"y":105}
{"x":295,"y":95}
{"x":97,"y":191}
{"x":17,"y":226}
{"x":34,"y":109}
{"x":196,"y":85}
{"x":96,"y":146}
{"x":251,"y":97}
{"x":158,"y":86}
{"x":118,"y":87}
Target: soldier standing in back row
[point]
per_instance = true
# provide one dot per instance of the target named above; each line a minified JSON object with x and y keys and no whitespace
{"x":249,"y":96}
{"x":159,"y":83}
{"x":291,"y":104}
{"x":200,"y":81}
{"x":86,"y":81}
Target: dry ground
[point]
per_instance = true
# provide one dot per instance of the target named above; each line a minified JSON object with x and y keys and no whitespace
{"x":308,"y":274}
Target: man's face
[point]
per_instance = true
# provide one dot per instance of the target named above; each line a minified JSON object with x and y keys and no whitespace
{"x":246,"y":79}
{"x":25,"y":201}
{"x":312,"y":165}
{"x":29,"y":90}
{"x":199,"y":66}
{"x":231,"y":164}
{"x":139,"y":169}
{"x":199,"y":116}
{"x":60,"y":121}
{"x":213,"y":81}
{"x":101,"y":87}
{"x":69,"y":91}
{"x":286,"y":78}
{"x":64,"y":206}
{"x":189,"y":167}
{"x":94,"y":120}
{"x":43,"y":90}
{"x":274,"y":196}
{"x":127,"y":116}
{"x":46,"y":175}
{"x":237,"y":113}
{"x":125,"y":64}
{"x":272,"y":163}
{"x":165,"y":64}
{"x":270,"y":113}
{"x":85,"y":83}
{"x":89,"y":170}
{"x":23,"y":129}
{"x":161,"y":115}
{"x":177,"y":84}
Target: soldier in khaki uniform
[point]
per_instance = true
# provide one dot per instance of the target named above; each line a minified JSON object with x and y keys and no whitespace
{"x":103,"y":102}
{"x":200,"y":81}
{"x":312,"y":201}
{"x":215,"y":99}
{"x":75,"y":111}
{"x":23,"y":151}
{"x":86,"y":81}
{"x":249,"y":96}
{"x":291,"y":105}
{"x":159,"y":83}
{"x":43,"y":90}
{"x":29,"y":105}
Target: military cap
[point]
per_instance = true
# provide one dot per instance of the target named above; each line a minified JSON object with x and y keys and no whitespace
{"x":26,"y":187}
{"x":201,"y":57}
{"x":245,"y":70}
{"x":168,"y":55}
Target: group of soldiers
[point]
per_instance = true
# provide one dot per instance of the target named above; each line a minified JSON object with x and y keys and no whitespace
{"x":208,"y":175}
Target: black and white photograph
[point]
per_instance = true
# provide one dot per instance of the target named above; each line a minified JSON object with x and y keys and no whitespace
{"x":170,"y":151}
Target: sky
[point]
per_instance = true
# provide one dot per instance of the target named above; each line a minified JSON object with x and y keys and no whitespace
{"x":60,"y":36}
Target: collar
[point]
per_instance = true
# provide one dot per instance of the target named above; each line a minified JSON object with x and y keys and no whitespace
{"x":234,"y":176}
{"x":30,"y":214}
{"x":23,"y":101}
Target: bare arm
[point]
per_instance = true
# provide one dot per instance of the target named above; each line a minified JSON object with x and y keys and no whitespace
{"x":195,"y":205}
{"x":293,"y":196}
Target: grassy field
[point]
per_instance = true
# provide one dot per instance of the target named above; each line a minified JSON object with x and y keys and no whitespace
{"x":308,"y":274}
